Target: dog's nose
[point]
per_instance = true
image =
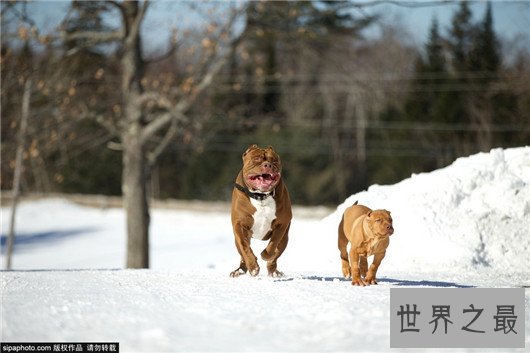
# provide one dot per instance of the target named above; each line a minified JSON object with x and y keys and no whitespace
{"x":266,"y":165}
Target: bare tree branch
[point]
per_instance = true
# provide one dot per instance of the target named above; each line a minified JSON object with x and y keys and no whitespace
{"x":106,"y":123}
{"x":206,"y":81}
{"x":93,"y":36}
{"x":160,"y":100}
{"x":22,"y":15}
{"x":156,"y":125}
{"x":169,"y":53}
{"x":143,"y":10}
{"x":133,"y":28}
{"x":152,"y":158}
{"x":119,"y":5}
{"x":179,"y":110}
{"x":116,"y":4}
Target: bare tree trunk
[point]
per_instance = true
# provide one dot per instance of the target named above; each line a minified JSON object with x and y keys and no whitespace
{"x":135,"y":172}
{"x":18,"y":170}
{"x":134,"y":180}
{"x":154,"y":183}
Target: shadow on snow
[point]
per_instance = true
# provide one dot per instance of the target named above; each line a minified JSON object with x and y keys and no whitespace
{"x":23,"y":240}
{"x":393,"y":281}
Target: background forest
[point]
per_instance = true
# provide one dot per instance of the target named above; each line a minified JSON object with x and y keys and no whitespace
{"x":344,"y":110}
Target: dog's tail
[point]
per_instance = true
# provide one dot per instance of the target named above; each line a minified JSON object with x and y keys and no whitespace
{"x":342,"y":240}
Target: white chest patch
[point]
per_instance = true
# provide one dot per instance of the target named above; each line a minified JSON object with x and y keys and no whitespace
{"x":263,"y":217}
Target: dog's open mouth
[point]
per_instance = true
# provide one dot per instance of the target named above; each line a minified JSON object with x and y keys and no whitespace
{"x":263,"y":177}
{"x":263,"y":182}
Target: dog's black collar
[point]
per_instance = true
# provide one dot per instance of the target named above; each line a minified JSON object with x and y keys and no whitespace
{"x":255,"y":195}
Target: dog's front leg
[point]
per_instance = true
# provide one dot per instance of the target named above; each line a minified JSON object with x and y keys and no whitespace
{"x":363,"y":265}
{"x":355,"y":273}
{"x":242,"y":237}
{"x":275,"y":248}
{"x":272,"y":267}
{"x":370,"y":276}
{"x":271,"y":251}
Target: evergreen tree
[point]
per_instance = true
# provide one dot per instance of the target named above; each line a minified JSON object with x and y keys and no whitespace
{"x":434,"y":47}
{"x":485,"y":55}
{"x":460,"y":41}
{"x":488,"y":106}
{"x":439,"y":99}
{"x":426,"y":102}
{"x":461,"y":37}
{"x":429,"y":101}
{"x":264,"y":28}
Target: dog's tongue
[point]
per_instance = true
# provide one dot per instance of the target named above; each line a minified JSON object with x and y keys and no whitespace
{"x":262,"y":182}
{"x":263,"y":177}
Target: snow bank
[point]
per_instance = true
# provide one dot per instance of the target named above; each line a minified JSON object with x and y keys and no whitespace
{"x":474,"y":213}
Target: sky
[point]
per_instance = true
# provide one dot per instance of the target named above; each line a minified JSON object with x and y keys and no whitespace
{"x":511,"y":18}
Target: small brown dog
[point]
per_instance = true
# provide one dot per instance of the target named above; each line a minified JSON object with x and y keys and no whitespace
{"x":368,"y":232}
{"x":261,"y":209}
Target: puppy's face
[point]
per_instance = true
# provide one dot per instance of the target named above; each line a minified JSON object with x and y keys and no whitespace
{"x":380,"y":222}
{"x":261,"y":168}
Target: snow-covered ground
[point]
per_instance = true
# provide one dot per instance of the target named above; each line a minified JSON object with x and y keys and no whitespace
{"x":464,"y":225}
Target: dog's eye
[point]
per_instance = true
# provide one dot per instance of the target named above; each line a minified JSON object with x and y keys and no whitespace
{"x":378,"y":220}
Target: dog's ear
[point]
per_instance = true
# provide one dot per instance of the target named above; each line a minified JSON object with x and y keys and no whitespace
{"x":369,"y":214}
{"x":250,"y":148}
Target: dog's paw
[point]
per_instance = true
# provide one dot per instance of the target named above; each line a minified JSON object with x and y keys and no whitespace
{"x":370,"y":280}
{"x":358,"y":282}
{"x":237,"y":273}
{"x":254,"y":272}
{"x":276,"y":274}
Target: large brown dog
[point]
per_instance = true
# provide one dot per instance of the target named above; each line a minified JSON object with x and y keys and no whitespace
{"x":261,"y":209}
{"x":368,"y":232}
